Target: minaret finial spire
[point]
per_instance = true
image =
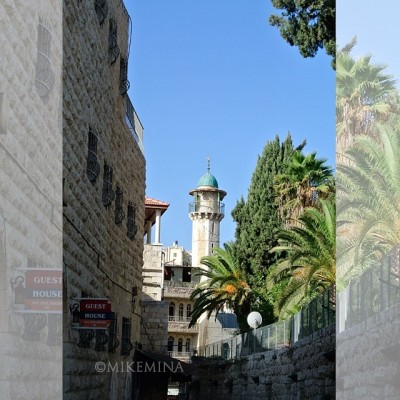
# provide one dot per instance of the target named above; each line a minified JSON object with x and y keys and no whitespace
{"x":208,"y":163}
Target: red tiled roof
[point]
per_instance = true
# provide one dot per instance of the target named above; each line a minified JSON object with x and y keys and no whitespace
{"x":149,"y":202}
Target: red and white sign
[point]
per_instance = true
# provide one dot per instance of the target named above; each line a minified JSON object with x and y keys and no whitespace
{"x":95,"y":313}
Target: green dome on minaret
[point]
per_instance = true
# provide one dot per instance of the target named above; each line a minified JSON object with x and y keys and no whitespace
{"x":208,"y":180}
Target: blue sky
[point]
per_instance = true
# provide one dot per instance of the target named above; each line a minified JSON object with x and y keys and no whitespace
{"x":212,"y":78}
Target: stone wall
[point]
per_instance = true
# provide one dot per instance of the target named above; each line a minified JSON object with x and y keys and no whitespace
{"x":100,"y":260}
{"x":154,"y":334}
{"x":368,"y":357}
{"x":299,"y":372}
{"x":30,"y":194}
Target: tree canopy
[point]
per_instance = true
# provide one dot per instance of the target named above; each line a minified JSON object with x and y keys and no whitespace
{"x":307,"y":24}
{"x":258,"y":221}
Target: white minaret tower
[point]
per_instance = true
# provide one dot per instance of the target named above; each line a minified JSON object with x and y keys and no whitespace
{"x":206,"y":211}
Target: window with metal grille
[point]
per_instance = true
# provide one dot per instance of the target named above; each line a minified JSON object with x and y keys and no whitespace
{"x":113,"y":48}
{"x":119,"y":200}
{"x":126,"y":344}
{"x":101,"y":8}
{"x":131,"y":223}
{"x":123,"y":76}
{"x":113,"y":341}
{"x":101,"y":340}
{"x":44,"y":80}
{"x":108,"y":194}
{"x":93,"y":166}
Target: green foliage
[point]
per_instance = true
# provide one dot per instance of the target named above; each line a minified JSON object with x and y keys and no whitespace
{"x":309,"y":266}
{"x":307,"y":24}
{"x":305,"y":180}
{"x":258,"y":222}
{"x":225,"y":286}
{"x":369,"y":201}
{"x":365,"y":94}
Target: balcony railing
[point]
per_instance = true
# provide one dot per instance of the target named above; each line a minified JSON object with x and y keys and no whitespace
{"x":181,"y":355}
{"x":133,"y":123}
{"x":207,"y":208}
{"x":177,"y":325}
{"x":179,"y":292}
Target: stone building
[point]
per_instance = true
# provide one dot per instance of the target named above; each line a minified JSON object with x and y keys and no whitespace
{"x":30,"y":199}
{"x":104,"y":185}
{"x":170,"y":274}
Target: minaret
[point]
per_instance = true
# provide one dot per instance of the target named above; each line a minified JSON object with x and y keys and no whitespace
{"x":206,"y":211}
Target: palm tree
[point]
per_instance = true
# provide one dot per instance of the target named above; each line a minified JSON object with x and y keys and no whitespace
{"x":225,"y":286}
{"x":365,"y":94}
{"x":369,"y":200}
{"x":306,"y":180}
{"x":310,"y":265}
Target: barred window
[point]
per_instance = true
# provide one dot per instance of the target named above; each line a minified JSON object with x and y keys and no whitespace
{"x":123,"y":76}
{"x":119,"y":200}
{"x":131,"y":223}
{"x":44,"y":74}
{"x":113,"y":48}
{"x":108,"y":194}
{"x":101,"y":8}
{"x":113,"y":341}
{"x":126,"y":344}
{"x":93,"y":166}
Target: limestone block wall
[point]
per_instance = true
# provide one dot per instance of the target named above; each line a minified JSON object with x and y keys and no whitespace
{"x":299,"y":372}
{"x":154,"y":333}
{"x":30,"y":194}
{"x":100,"y":260}
{"x":368,"y":358}
{"x":153,"y":272}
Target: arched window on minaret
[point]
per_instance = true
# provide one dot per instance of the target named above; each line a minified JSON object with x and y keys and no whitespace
{"x":181,"y":312}
{"x":188,"y":310}
{"x":171,"y":311}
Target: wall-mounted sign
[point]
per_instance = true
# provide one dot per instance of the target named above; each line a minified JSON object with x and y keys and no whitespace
{"x":38,"y":290}
{"x":91,"y":313}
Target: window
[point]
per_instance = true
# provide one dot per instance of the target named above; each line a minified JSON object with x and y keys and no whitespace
{"x":180,"y":345}
{"x":92,"y":165}
{"x":131,"y":222}
{"x":187,"y":345}
{"x":188,"y":310}
{"x":126,"y":344}
{"x":101,"y":8}
{"x":113,"y":341}
{"x":113,"y":48}
{"x":119,"y":200}
{"x":44,"y":75}
{"x":108,"y":193}
{"x":123,"y":76}
{"x":181,"y":312}
{"x":171,"y":311}
{"x":170,"y":343}
{"x":186,"y":275}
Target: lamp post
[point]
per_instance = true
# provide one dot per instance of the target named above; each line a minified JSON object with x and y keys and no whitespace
{"x":254,"y":320}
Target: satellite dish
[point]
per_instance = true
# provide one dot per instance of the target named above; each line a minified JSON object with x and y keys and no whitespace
{"x":254,"y":319}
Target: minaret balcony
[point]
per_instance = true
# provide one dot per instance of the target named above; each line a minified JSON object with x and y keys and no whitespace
{"x":200,"y":207}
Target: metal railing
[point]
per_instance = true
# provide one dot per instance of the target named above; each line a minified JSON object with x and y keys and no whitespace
{"x":374,"y":291}
{"x":207,"y":208}
{"x":318,"y":314}
{"x":133,"y":122}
